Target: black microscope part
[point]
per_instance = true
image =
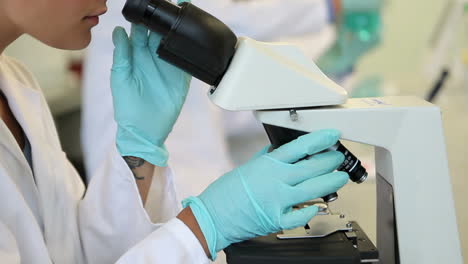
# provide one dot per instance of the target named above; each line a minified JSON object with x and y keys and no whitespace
{"x":330,"y":197}
{"x":338,"y":248}
{"x":352,"y":165}
{"x":193,"y":40}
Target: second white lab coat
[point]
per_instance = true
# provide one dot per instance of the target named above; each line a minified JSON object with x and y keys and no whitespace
{"x":47,"y":217}
{"x":268,"y":20}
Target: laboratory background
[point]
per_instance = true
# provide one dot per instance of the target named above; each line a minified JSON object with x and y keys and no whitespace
{"x":422,"y":51}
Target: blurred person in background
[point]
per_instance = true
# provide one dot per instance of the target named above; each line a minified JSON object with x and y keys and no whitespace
{"x":199,"y":162}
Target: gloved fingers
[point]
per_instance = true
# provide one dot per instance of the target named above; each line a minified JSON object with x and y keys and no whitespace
{"x":297,"y":218}
{"x":262,"y":152}
{"x":122,"y":53}
{"x":288,"y":210}
{"x":139,"y":35}
{"x":306,"y":145}
{"x":154,"y":40}
{"x":181,"y":1}
{"x":317,"y":187}
{"x":315,"y":166}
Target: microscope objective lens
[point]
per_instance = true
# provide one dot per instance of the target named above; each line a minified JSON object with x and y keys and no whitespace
{"x":351,"y":164}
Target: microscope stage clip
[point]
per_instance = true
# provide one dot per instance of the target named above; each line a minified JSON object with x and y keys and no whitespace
{"x":319,"y":226}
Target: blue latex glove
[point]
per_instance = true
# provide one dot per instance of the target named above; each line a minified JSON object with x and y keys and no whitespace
{"x":256,"y":198}
{"x":148,"y":95}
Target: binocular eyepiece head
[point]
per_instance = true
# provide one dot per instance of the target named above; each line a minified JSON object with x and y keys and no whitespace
{"x":193,"y":40}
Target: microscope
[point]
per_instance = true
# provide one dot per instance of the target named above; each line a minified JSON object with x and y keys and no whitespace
{"x":290,"y":95}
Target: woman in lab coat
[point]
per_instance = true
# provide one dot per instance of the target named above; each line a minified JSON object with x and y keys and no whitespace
{"x":301,"y":19}
{"x":45,"y":214}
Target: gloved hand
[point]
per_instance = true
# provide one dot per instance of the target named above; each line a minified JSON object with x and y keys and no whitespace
{"x":148,"y":95}
{"x":358,"y":32}
{"x":256,"y":198}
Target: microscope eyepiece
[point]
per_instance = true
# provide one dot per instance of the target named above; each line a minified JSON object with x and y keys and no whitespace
{"x":158,"y":16}
{"x":133,"y":11}
{"x":193,"y":40}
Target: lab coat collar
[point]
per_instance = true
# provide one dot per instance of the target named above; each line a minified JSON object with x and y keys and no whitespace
{"x":31,"y":111}
{"x":58,"y":191}
{"x":25,"y":104}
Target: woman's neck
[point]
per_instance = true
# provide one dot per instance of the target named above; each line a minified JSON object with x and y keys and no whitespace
{"x":9,"y":32}
{"x":9,"y":119}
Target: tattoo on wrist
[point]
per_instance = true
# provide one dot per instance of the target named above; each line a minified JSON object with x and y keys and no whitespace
{"x":133,"y":163}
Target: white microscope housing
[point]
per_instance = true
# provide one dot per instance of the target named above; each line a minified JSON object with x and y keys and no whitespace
{"x":416,"y":220}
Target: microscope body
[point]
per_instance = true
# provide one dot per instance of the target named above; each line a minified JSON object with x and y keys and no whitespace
{"x":265,"y":75}
{"x":416,"y":220}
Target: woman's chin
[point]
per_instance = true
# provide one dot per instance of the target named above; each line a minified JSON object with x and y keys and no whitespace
{"x":77,"y":42}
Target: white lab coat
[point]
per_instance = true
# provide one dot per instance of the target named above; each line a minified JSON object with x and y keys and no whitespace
{"x":43,"y":215}
{"x":197,"y":145}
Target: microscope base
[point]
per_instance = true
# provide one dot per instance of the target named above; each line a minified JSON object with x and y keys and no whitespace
{"x":338,"y":248}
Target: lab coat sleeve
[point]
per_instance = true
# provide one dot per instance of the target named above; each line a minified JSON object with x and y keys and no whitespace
{"x":9,"y":252}
{"x":112,"y":219}
{"x":161,"y":203}
{"x":171,"y":243}
{"x":265,"y":20}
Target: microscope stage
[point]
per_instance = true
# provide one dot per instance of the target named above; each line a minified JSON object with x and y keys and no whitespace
{"x":338,"y":248}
